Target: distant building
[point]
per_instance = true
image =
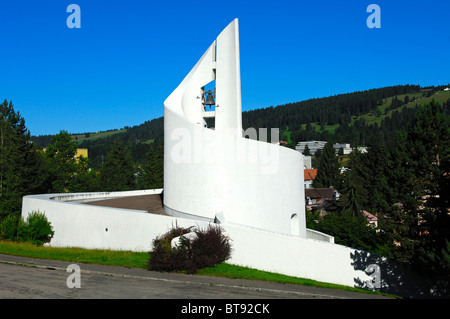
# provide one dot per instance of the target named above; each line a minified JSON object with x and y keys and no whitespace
{"x":309,"y":176}
{"x":312,"y":145}
{"x":80,"y":152}
{"x":315,"y":195}
{"x":447,"y":89}
{"x":321,"y":199}
{"x":371,"y":219}
{"x":307,"y":163}
{"x":345,"y":148}
{"x":362,"y":149}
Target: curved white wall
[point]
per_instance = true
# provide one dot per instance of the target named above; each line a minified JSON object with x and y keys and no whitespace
{"x":95,"y":227}
{"x":80,"y":225}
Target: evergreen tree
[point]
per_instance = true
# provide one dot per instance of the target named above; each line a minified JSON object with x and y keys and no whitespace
{"x":376,"y":165}
{"x":85,"y":180}
{"x":428,"y":142}
{"x":353,"y":194}
{"x":315,"y":161}
{"x":348,"y":231}
{"x":424,"y":172}
{"x":152,"y":174}
{"x":328,"y":170}
{"x":307,"y":152}
{"x":117,"y":173}
{"x":21,"y":168}
{"x":60,"y":155}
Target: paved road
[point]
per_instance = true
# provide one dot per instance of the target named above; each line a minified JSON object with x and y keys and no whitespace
{"x":22,"y":277}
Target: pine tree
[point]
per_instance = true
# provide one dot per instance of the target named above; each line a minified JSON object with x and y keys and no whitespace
{"x":428,"y":143}
{"x":353,"y":194}
{"x":307,"y":152}
{"x":375,"y":163}
{"x":423,"y":180}
{"x":153,"y":169}
{"x":85,"y":180}
{"x":21,"y":168}
{"x":60,"y":155}
{"x":118,"y":171}
{"x":328,"y":170}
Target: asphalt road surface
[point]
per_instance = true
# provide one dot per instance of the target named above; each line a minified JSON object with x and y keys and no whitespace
{"x":27,"y":278}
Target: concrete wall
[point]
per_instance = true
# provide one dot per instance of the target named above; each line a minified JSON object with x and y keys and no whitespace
{"x":79,"y":225}
{"x":316,"y":257}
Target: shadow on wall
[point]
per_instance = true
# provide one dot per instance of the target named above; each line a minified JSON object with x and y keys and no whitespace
{"x":390,"y":277}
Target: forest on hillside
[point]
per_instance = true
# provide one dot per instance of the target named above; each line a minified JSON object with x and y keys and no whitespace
{"x":337,"y":119}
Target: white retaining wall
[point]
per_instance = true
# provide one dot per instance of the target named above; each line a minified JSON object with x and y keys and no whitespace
{"x":315,"y":257}
{"x":87,"y":226}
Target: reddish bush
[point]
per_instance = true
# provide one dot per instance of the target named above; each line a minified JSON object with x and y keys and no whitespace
{"x":208,"y":248}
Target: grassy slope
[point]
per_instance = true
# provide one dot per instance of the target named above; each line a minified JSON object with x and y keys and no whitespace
{"x":439,"y":97}
{"x":93,"y":136}
{"x":371,"y":118}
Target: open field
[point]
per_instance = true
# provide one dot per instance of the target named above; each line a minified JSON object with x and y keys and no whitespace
{"x":93,"y":136}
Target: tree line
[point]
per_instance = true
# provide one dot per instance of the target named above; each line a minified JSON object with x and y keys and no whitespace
{"x":137,"y":140}
{"x":296,"y":118}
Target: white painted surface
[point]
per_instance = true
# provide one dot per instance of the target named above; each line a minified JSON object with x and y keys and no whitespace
{"x":95,"y":227}
{"x":219,"y":172}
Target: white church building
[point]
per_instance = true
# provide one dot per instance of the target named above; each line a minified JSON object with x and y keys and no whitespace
{"x":253,"y":189}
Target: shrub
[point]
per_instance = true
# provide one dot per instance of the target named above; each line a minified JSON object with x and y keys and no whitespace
{"x":8,"y":227}
{"x":208,"y":248}
{"x":163,"y":257}
{"x":36,"y":229}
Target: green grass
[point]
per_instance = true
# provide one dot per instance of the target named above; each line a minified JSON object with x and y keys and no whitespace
{"x":440,"y":97}
{"x":140,"y":259}
{"x":287,"y":134}
{"x":371,"y":117}
{"x":316,"y":127}
{"x":94,"y":136}
{"x":238,"y":272}
{"x":89,"y":256}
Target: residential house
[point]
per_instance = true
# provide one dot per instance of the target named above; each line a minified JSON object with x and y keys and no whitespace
{"x":309,"y":176}
{"x":346,"y":149}
{"x":371,"y":219}
{"x":322,"y":199}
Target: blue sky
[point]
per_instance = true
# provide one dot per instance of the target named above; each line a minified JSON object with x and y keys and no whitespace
{"x":128,"y":56}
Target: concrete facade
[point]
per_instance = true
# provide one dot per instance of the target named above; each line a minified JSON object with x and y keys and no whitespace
{"x":216,"y":173}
